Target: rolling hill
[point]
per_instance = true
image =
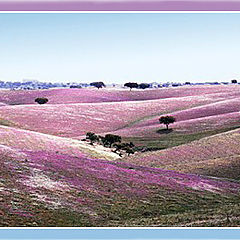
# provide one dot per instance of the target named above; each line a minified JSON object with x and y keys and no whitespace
{"x":88,"y":95}
{"x":72,"y":120}
{"x":47,"y":183}
{"x":49,"y":177}
{"x":217,"y":156}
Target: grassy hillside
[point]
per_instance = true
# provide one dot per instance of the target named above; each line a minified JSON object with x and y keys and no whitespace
{"x":195,"y":118}
{"x":47,"y":187}
{"x":192,"y":123}
{"x":217,"y":155}
{"x":51,"y":178}
{"x":72,"y":120}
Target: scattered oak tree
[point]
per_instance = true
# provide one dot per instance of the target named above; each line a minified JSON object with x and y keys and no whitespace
{"x":41,"y":100}
{"x":92,"y":137}
{"x":167,"y":120}
{"x":131,"y":85}
{"x":97,"y":84}
{"x":144,"y":85}
{"x":109,"y":139}
{"x":129,"y":151}
{"x":123,"y":146}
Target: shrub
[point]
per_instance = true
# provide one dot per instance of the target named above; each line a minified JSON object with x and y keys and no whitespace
{"x":41,"y":100}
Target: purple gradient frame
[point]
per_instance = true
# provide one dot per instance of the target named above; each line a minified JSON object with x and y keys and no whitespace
{"x":167,"y":5}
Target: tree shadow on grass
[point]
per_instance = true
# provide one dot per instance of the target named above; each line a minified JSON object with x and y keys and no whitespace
{"x":164,"y":131}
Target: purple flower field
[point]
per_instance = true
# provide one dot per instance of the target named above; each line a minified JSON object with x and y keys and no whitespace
{"x":87,"y":186}
{"x":51,"y":178}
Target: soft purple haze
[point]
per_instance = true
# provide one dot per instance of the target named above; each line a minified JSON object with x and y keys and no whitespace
{"x":121,"y":5}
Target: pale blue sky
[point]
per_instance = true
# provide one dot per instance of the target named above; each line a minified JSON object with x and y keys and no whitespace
{"x":120,"y":47}
{"x":121,"y":234}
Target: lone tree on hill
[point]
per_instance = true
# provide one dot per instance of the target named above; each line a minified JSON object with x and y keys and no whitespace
{"x":167,"y":120}
{"x":131,"y":85}
{"x":234,"y":81}
{"x":41,"y":100}
{"x":97,"y":84}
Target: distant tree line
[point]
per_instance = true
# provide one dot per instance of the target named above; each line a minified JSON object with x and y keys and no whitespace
{"x":98,"y":84}
{"x":136,"y":85}
{"x":130,"y":85}
{"x":75,"y":86}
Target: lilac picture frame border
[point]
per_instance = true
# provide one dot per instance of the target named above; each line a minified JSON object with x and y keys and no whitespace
{"x":168,"y":5}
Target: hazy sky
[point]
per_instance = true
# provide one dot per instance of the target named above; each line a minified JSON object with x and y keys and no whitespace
{"x":119,"y":47}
